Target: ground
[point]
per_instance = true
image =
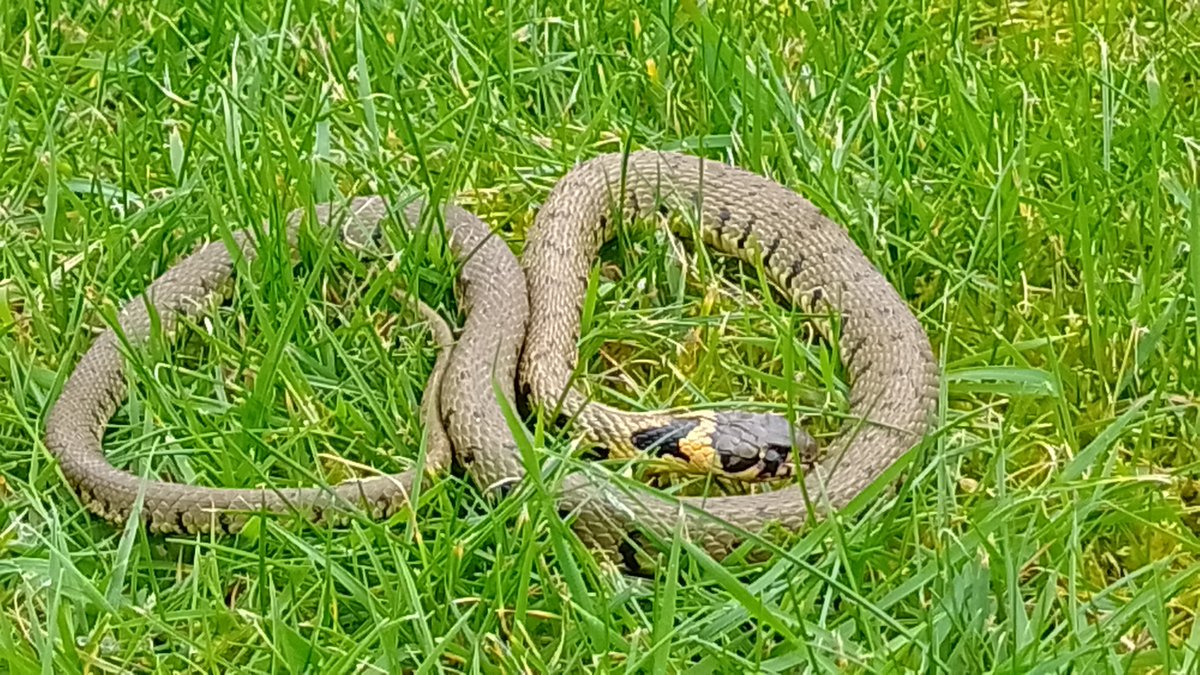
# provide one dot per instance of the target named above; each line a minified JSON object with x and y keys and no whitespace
{"x":1023,"y":173}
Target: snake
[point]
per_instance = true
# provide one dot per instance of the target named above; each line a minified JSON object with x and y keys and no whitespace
{"x":894,"y":382}
{"x":521,"y":337}
{"x":489,"y":277}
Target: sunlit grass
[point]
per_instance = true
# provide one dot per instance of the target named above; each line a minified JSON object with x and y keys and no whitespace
{"x":1024,"y":174}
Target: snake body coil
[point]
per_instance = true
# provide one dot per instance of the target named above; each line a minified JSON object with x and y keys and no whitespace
{"x":893,"y":374}
{"x":491,"y":283}
{"x":894,"y":377}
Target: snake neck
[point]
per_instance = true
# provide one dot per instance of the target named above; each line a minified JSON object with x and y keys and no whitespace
{"x":609,"y":430}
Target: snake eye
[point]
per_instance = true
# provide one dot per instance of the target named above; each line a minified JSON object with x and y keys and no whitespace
{"x":774,"y":457}
{"x":739,"y":463}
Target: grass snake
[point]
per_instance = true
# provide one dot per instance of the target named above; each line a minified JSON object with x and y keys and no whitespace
{"x":522,"y":328}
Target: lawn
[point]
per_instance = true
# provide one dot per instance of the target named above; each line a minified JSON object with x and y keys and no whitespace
{"x":1024,"y":173}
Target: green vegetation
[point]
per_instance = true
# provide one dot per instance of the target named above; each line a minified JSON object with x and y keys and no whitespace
{"x":1024,"y":173}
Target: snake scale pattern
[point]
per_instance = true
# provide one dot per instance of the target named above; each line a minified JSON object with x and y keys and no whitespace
{"x":522,"y":327}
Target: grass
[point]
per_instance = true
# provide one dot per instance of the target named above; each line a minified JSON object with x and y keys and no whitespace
{"x":1024,"y":173}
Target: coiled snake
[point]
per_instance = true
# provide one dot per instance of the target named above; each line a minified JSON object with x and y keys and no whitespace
{"x":522,"y":325}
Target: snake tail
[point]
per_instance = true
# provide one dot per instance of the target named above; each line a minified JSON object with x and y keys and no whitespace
{"x":76,"y":422}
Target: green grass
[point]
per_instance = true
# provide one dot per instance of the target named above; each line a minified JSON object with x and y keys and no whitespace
{"x":1024,"y":173}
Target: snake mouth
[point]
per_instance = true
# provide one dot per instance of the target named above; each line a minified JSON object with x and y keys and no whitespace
{"x":774,"y":462}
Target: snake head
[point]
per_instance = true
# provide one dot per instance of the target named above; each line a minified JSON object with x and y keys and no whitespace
{"x":739,"y":445}
{"x":758,"y":446}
